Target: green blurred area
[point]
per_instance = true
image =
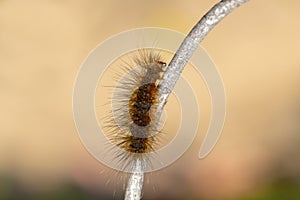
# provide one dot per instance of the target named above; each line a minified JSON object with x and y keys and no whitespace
{"x":276,"y":191}
{"x":11,"y":190}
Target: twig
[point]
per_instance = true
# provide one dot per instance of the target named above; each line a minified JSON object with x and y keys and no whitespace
{"x":189,"y":45}
{"x":135,"y":182}
{"x":172,"y":74}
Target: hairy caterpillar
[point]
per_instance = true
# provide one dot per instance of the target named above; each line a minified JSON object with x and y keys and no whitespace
{"x":130,"y":123}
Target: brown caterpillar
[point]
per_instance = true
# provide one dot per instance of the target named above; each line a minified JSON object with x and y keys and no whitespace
{"x":135,"y":99}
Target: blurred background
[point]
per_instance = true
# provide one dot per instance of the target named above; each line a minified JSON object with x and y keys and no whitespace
{"x":256,"y":49}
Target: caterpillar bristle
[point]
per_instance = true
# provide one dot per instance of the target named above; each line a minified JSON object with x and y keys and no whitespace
{"x":135,"y":144}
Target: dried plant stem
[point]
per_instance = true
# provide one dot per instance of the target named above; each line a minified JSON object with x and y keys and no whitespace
{"x":172,"y":74}
{"x":190,"y":44}
{"x":135,"y":182}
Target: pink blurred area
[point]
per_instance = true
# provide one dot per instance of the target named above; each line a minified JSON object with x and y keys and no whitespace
{"x":43,"y":43}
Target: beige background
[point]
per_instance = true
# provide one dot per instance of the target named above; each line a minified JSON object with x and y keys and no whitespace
{"x":256,"y":49}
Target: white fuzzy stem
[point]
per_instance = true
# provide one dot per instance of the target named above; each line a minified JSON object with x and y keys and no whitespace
{"x":189,"y":45}
{"x":135,"y":182}
{"x":172,"y":74}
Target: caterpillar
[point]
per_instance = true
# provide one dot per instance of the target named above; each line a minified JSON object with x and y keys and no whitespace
{"x":130,"y":124}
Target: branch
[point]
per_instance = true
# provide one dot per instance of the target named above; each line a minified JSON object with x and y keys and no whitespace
{"x":172,"y":74}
